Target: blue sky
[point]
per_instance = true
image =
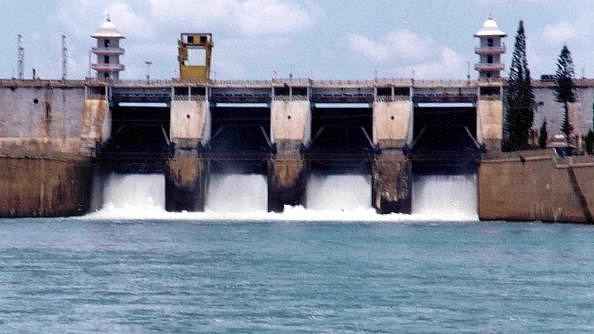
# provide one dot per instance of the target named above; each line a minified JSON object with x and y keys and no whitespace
{"x":325,"y":39}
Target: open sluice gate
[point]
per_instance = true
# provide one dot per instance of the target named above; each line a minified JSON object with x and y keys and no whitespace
{"x":265,"y":149}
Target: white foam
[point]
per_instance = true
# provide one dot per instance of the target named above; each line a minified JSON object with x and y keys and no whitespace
{"x":340,"y":198}
{"x":445,"y":197}
{"x":339,"y":192}
{"x":237,"y":193}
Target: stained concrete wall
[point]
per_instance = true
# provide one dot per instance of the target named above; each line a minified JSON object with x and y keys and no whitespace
{"x":551,"y":110}
{"x":186,"y":182}
{"x":41,"y":117}
{"x":96,"y":125}
{"x":287,"y":181}
{"x":489,"y":114}
{"x":391,"y":123}
{"x":392,"y":183}
{"x":190,"y":123}
{"x":44,"y":186}
{"x":290,"y":124}
{"x":525,"y":186}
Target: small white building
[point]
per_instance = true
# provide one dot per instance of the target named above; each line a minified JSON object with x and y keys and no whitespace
{"x":108,"y":52}
{"x":490,"y":50}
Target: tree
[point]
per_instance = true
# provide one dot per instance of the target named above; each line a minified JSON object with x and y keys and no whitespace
{"x":519,"y":97}
{"x":565,"y":88}
{"x":543,"y":136}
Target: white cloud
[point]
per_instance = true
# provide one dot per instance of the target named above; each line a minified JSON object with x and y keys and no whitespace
{"x":398,"y":44}
{"x":128,"y":21}
{"x":192,"y":12}
{"x":248,"y":17}
{"x":559,"y":33}
{"x":449,"y":65}
{"x":257,"y":17}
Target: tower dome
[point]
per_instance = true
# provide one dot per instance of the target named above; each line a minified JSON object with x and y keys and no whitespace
{"x":108,"y":51}
{"x":490,"y":28}
{"x":490,"y":50}
{"x":107,"y":30}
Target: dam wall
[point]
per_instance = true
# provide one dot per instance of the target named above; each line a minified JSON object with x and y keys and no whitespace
{"x":536,"y":185}
{"x":52,"y":134}
{"x":42,"y":170}
{"x":41,"y":116}
{"x":46,"y":185}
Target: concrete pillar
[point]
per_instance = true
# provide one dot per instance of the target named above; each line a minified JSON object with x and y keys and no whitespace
{"x":392,"y":183}
{"x":287,"y":181}
{"x":186,"y":182}
{"x":189,"y":123}
{"x":489,"y":114}
{"x":186,"y":177}
{"x":96,"y":125}
{"x":391,"y":123}
{"x":290,"y":124}
{"x":287,"y":170}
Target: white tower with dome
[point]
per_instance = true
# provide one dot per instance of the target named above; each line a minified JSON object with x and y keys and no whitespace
{"x":108,"y":52}
{"x":490,"y":50}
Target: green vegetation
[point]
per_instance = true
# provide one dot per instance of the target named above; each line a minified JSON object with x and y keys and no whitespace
{"x":565,"y":88}
{"x":519,"y":97}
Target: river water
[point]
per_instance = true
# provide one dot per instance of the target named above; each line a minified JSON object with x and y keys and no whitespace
{"x":82,"y":276}
{"x":264,"y":273}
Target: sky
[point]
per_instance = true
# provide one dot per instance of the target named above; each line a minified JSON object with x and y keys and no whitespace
{"x":323,"y":39}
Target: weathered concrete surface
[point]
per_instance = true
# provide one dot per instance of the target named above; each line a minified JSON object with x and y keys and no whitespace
{"x":489,"y":114}
{"x":96,"y":125}
{"x":190,"y":123}
{"x":41,"y":111}
{"x":287,"y":181}
{"x":290,"y":124}
{"x":186,"y":182}
{"x":44,"y":186}
{"x":524,"y":186}
{"x":391,"y":123}
{"x":391,"y":177}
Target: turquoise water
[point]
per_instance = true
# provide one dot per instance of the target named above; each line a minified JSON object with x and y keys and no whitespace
{"x":84,"y":276}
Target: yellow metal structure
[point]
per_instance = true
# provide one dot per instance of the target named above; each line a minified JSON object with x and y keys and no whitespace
{"x":188,"y":68}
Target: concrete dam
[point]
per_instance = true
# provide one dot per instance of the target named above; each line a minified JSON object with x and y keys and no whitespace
{"x":60,"y":140}
{"x":71,"y":131}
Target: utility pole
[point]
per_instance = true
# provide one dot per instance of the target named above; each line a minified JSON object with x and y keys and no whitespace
{"x":20,"y":58}
{"x":64,"y":58}
{"x":148,"y":70}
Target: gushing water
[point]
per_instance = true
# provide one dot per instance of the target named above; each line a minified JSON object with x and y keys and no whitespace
{"x":446,"y":197}
{"x":134,"y":193}
{"x":339,"y":192}
{"x":329,"y":198}
{"x":237,"y":193}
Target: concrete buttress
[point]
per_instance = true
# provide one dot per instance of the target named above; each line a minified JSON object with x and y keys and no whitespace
{"x":186,"y":176}
{"x":186,"y":182}
{"x":391,"y":183}
{"x":287,"y":181}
